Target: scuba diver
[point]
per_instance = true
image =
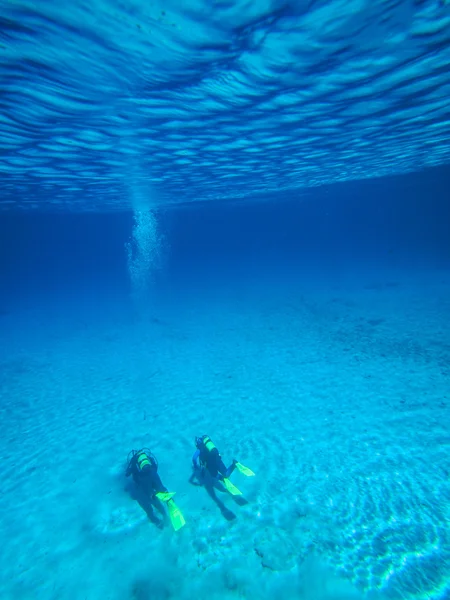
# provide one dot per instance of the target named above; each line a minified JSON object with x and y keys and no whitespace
{"x":207,"y":459}
{"x":143,"y":466}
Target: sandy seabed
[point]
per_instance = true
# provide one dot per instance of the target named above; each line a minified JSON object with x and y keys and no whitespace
{"x":338,"y":399}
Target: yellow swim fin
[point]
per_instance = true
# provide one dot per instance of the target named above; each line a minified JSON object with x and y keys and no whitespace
{"x":176,"y":518}
{"x":244,"y":470}
{"x":165,"y":496}
{"x":231,"y":488}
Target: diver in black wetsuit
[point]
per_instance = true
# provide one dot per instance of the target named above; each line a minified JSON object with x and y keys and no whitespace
{"x":210,"y":471}
{"x":143,"y":466}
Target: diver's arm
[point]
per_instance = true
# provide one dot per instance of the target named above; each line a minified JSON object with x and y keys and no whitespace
{"x":196,"y":471}
{"x":195,"y":459}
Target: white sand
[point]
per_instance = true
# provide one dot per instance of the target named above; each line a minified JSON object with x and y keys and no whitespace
{"x":344,"y":421}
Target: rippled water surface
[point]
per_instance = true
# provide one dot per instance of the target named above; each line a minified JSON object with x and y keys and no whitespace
{"x":205,"y":100}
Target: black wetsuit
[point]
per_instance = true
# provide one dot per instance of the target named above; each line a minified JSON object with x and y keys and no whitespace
{"x":212,"y":461}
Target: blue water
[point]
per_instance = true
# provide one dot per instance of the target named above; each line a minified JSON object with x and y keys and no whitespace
{"x":219,"y":100}
{"x":232,"y":219}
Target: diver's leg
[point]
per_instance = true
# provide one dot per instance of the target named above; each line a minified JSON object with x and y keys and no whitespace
{"x":157,"y":486}
{"x":212,"y":466}
{"x":145,"y":499}
{"x":223,"y":470}
{"x":231,"y":468}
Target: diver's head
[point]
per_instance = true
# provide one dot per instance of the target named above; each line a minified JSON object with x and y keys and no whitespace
{"x":199,"y":441}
